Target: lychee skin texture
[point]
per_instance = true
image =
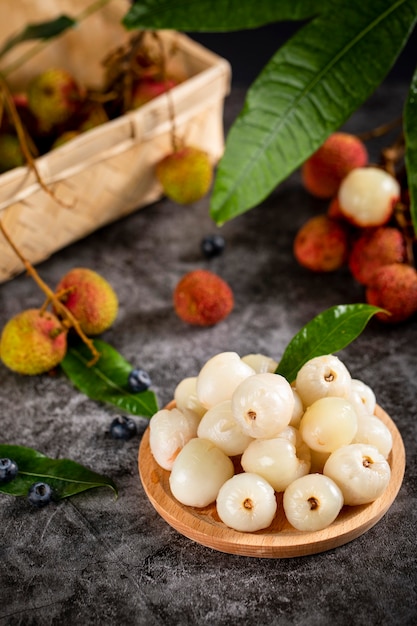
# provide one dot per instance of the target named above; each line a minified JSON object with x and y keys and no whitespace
{"x":394,"y":288}
{"x":322,"y":244}
{"x":54,"y":96}
{"x":367,"y":196}
{"x":323,"y":172}
{"x":202,"y":298}
{"x":33,"y":342}
{"x":185,"y":174}
{"x":90,"y":298}
{"x":374,"y":248}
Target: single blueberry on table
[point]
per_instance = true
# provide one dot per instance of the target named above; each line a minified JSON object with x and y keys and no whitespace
{"x":8,"y":470}
{"x":139,"y":380}
{"x":40,"y":494}
{"x":123,"y":427}
{"x":212,"y":245}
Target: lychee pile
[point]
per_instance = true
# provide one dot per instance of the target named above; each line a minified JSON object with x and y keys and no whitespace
{"x":35,"y":340}
{"x":55,"y":107}
{"x":365,"y":228}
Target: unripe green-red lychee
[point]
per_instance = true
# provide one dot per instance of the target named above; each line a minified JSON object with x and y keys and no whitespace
{"x":54,"y":96}
{"x":394,"y":288}
{"x":202,"y":298}
{"x":33,"y":342}
{"x":323,"y":172}
{"x":185,"y":174}
{"x":374,"y":248}
{"x":11,"y":154}
{"x":90,"y":298}
{"x":322,"y":244}
{"x":149,"y":88}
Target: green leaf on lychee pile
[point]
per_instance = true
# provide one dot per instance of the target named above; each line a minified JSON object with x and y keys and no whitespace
{"x":327,"y":333}
{"x":66,"y":477}
{"x":310,"y":87}
{"x":43,"y":30}
{"x":216,"y":15}
{"x":410,"y":127}
{"x":106,"y":381}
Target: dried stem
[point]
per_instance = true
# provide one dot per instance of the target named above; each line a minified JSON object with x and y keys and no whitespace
{"x":68,"y":319}
{"x":379,"y":131}
{"x":171,"y":108}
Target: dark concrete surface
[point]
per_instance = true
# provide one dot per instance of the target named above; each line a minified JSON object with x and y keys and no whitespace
{"x":95,"y":560}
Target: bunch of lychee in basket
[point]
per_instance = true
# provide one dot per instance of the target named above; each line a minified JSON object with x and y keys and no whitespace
{"x":35,"y":340}
{"x":366,"y":227}
{"x":240,"y":434}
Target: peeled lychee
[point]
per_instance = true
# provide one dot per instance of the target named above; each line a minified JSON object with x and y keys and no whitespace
{"x":185,"y":174}
{"x":322,"y":244}
{"x":394,"y":288}
{"x":90,"y":298}
{"x":374,"y":248}
{"x":202,"y":298}
{"x":54,"y":96}
{"x":149,"y":88}
{"x":33,"y":342}
{"x":323,"y":172}
{"x":367,"y":196}
{"x":11,"y":154}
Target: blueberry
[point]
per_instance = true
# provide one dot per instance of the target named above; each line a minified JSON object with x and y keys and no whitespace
{"x":8,"y":470}
{"x":123,"y":427}
{"x":138,"y":380}
{"x":212,"y":245}
{"x":40,"y":494}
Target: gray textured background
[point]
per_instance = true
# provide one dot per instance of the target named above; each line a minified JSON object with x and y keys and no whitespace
{"x":93,"y":560}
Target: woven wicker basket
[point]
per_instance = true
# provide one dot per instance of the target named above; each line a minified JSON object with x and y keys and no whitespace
{"x":107,"y":172}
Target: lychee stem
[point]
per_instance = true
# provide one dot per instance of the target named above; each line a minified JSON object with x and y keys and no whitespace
{"x":381,"y":130}
{"x":68,"y":319}
{"x":171,"y":108}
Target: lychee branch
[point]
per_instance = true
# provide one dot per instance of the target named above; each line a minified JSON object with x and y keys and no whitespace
{"x":68,"y":319}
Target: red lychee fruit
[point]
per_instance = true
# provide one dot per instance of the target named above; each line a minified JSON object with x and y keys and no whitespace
{"x":367,"y":196}
{"x":149,"y":88}
{"x":90,"y":298}
{"x":322,"y":244}
{"x":394,"y":288}
{"x":185,"y":174}
{"x":33,"y":342}
{"x":374,"y":248}
{"x":202,"y":298}
{"x":54,"y":96}
{"x":11,"y":154}
{"x":323,"y":172}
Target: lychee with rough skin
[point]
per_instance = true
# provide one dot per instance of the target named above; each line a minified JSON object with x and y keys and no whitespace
{"x":11,"y":154}
{"x":322,"y":244}
{"x":374,"y":248}
{"x":368,"y":195}
{"x":90,"y":298}
{"x":324,"y":170}
{"x":33,"y":342}
{"x":394,"y":288}
{"x":202,"y":298}
{"x":54,"y":96}
{"x":148,"y":88}
{"x":185,"y":174}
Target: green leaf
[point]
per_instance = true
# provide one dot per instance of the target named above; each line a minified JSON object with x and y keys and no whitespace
{"x":66,"y":477}
{"x":43,"y":30}
{"x":216,"y":15}
{"x":309,"y":89}
{"x":410,"y":133}
{"x":106,"y":381}
{"x":327,"y":333}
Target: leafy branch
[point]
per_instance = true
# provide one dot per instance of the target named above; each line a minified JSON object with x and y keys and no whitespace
{"x":309,"y":88}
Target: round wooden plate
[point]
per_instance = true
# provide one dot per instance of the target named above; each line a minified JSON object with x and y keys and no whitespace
{"x":280,"y":540}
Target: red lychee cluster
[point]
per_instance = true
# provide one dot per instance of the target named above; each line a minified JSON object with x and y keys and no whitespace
{"x":35,"y":340}
{"x":202,"y":298}
{"x":360,"y":229}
